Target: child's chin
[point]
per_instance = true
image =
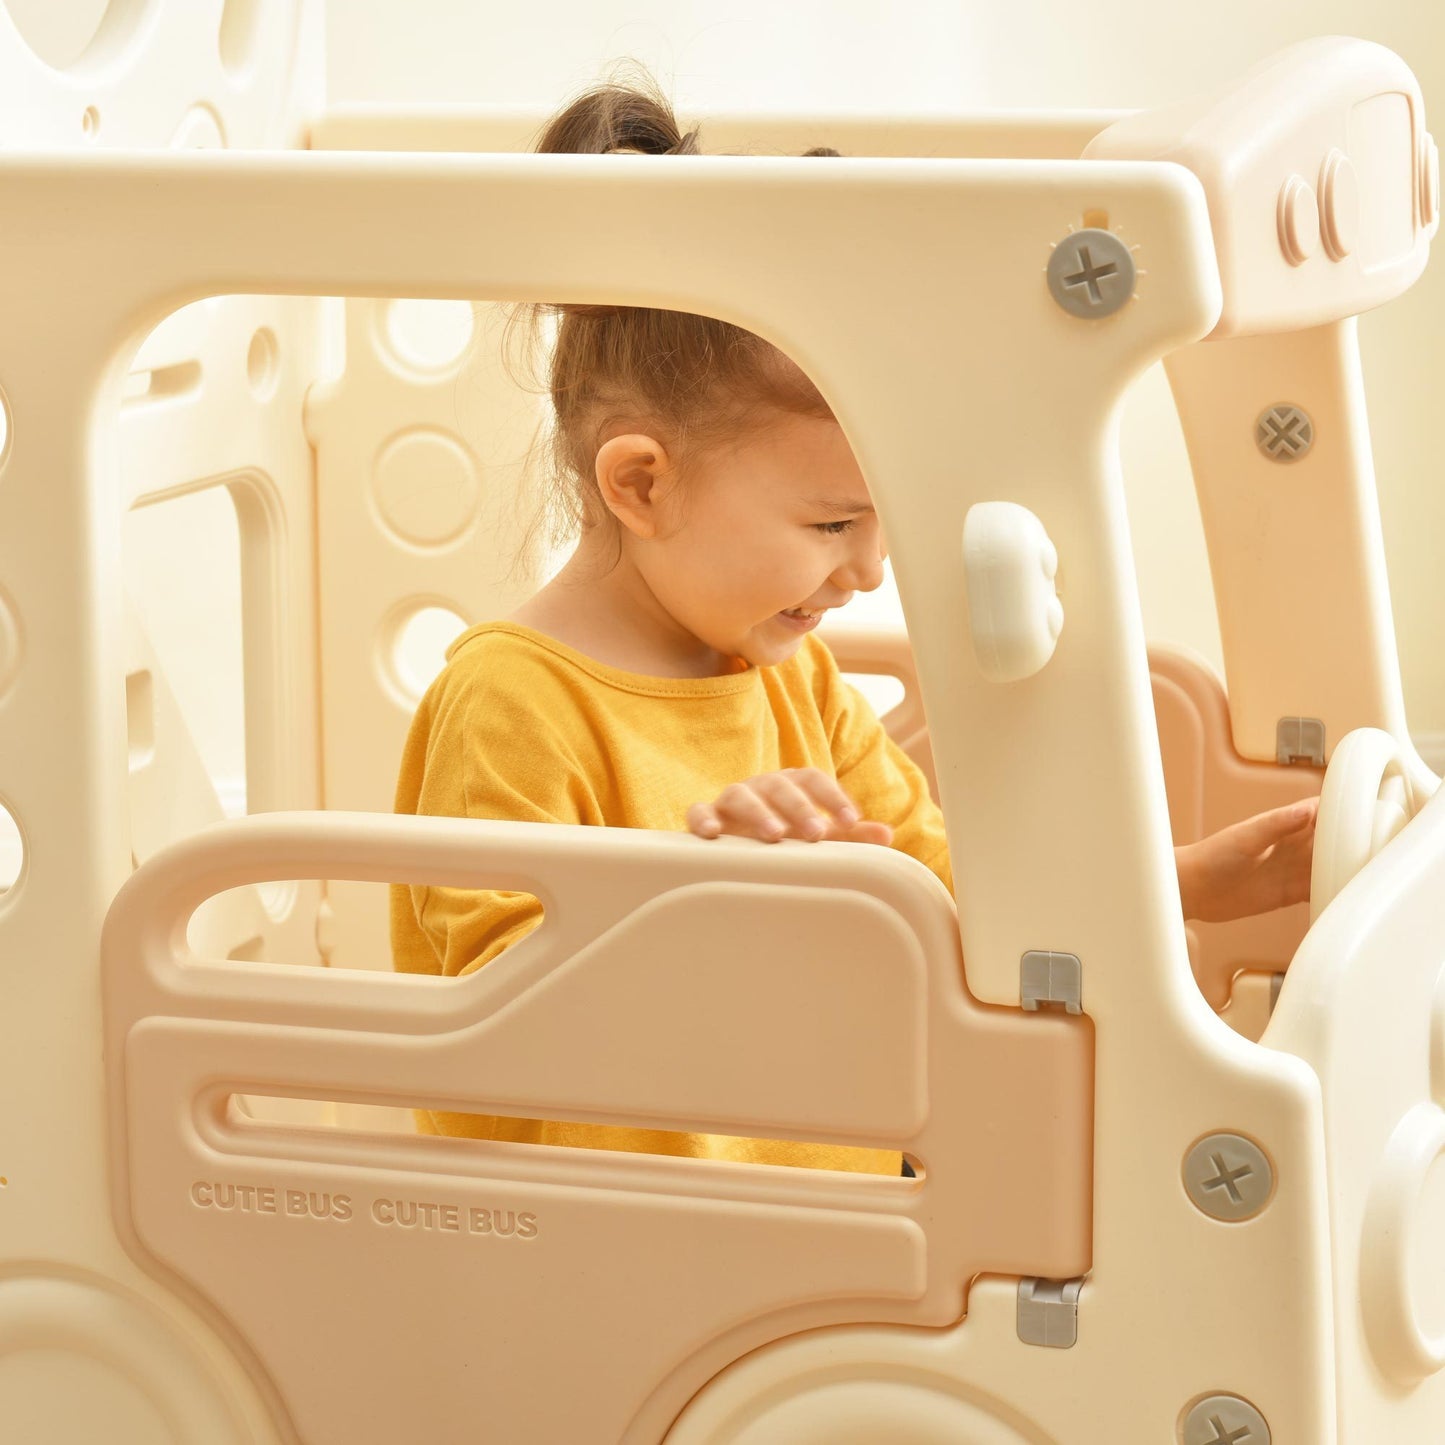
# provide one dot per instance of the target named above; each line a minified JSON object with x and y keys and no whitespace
{"x":775,"y":650}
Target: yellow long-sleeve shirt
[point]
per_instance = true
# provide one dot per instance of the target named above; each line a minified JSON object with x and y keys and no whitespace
{"x":519,"y":726}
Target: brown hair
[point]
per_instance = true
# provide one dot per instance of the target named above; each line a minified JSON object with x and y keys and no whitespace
{"x":694,"y":379}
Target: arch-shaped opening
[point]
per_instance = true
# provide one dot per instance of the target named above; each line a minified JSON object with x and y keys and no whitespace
{"x":79,"y":33}
{"x":188,"y":601}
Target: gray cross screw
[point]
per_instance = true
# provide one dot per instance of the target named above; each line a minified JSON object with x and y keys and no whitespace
{"x":1224,"y":1420}
{"x":1091,"y":273}
{"x":1284,"y":433}
{"x":1228,"y":1177}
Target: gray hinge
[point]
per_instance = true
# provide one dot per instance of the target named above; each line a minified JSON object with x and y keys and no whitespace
{"x":1300,"y":740}
{"x":1048,"y":1312}
{"x":1046,"y":977}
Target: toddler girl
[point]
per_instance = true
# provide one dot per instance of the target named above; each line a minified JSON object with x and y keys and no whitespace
{"x":668,"y":676}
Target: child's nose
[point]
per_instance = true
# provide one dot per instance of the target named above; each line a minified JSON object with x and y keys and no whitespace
{"x":863,"y":571}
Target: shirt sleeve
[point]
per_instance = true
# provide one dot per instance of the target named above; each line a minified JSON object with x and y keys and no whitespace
{"x":491,"y":755}
{"x":884,"y":782}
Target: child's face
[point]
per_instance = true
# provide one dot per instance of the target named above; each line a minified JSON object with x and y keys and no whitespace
{"x":763,"y":538}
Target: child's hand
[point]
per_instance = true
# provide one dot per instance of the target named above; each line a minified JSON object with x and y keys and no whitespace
{"x":796,"y":803}
{"x":1252,"y":867}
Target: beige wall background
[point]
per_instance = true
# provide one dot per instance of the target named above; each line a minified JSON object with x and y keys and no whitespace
{"x":847,"y":56}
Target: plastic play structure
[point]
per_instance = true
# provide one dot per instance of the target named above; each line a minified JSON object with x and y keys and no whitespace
{"x":1160,"y":1196}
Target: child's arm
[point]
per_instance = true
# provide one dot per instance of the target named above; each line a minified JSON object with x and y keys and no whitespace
{"x":483,"y":751}
{"x":1252,"y":867}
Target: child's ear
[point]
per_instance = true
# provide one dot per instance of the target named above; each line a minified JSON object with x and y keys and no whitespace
{"x":634,"y":476}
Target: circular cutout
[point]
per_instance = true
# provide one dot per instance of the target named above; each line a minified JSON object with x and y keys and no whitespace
{"x":90,"y":122}
{"x":425,"y":487}
{"x":10,"y":644}
{"x":415,"y":649}
{"x":263,"y":366}
{"x":12,"y":851}
{"x":60,"y":34}
{"x":903,"y":1406}
{"x":4,"y":429}
{"x":87,"y":1352}
{"x":56,"y":1394}
{"x":428,"y":335}
{"x":1402,"y":1261}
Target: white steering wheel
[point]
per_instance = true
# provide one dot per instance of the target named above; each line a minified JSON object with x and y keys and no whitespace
{"x":1370,"y":792}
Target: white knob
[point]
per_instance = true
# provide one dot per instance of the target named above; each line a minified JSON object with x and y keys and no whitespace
{"x":1014,"y":613}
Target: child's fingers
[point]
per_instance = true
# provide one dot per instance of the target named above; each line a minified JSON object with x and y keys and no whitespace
{"x":744,"y":812}
{"x":792,"y":804}
{"x":703,"y":820}
{"x":796,"y":803}
{"x":1256,"y":834}
{"x":827,"y":793}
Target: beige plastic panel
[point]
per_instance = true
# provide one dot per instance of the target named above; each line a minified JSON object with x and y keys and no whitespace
{"x":821,"y":998}
{"x":1024,"y":819}
{"x":1053,"y":790}
{"x":1323,"y":184}
{"x":93,"y":1347}
{"x":1008,"y":135}
{"x":227,"y":379}
{"x":1364,"y":1003}
{"x":241,"y":73}
{"x":1297,"y":542}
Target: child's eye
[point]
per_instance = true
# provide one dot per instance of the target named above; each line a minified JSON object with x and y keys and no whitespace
{"x":835,"y":529}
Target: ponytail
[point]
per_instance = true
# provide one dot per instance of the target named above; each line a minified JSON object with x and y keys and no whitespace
{"x":693,"y":379}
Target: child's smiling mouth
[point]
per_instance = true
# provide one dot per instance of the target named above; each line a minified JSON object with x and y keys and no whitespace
{"x":804,"y":619}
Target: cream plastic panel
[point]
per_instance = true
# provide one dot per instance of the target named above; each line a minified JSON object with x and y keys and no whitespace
{"x":247,"y":74}
{"x":93,"y":1347}
{"x":821,"y":999}
{"x":388,"y":225}
{"x":1323,"y":184}
{"x":1364,"y":1003}
{"x":1297,"y":542}
{"x":227,"y":382}
{"x":1053,"y":787}
{"x":1006,"y":135}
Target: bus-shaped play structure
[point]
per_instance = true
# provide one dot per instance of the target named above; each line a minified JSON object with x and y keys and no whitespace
{"x":1159,"y":1194}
